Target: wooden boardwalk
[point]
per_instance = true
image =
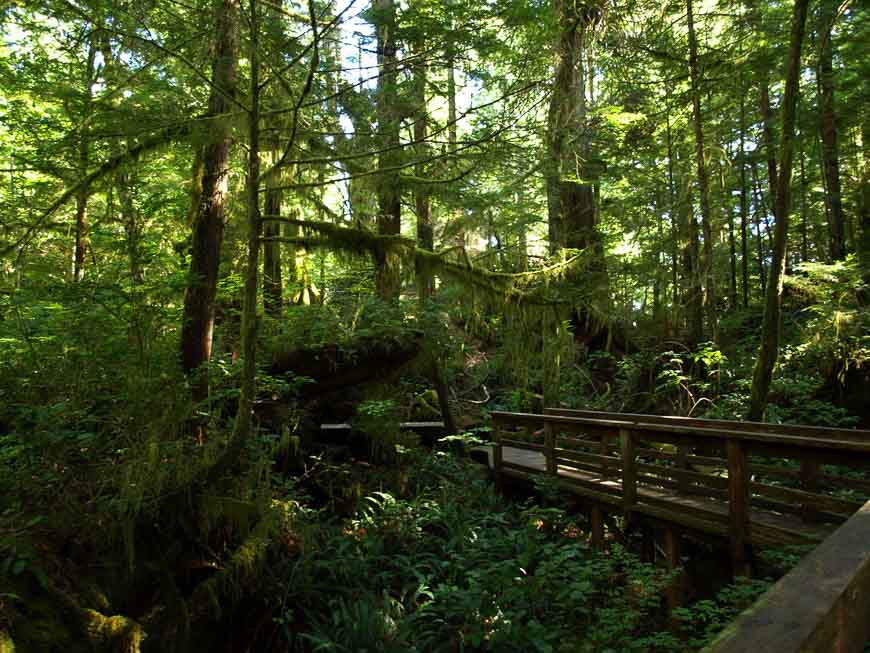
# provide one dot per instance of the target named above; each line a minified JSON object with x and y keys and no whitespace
{"x":745,"y":484}
{"x":750,"y":484}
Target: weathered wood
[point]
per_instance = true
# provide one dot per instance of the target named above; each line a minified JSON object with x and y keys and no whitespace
{"x":738,"y":507}
{"x":674,"y":560}
{"x":550,"y":448}
{"x":596,"y":520}
{"x":819,"y":432}
{"x":820,"y":606}
{"x":497,"y":454}
{"x":670,"y":486}
{"x":629,"y":470}
{"x":809,"y":475}
{"x":683,"y":462}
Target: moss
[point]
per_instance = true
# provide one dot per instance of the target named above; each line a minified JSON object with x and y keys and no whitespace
{"x":228,"y":585}
{"x":114,"y":634}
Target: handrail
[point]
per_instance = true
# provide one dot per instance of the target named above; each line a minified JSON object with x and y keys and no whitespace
{"x":820,"y":432}
{"x":820,"y":606}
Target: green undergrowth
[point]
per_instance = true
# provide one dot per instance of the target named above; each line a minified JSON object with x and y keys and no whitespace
{"x":450,"y":565}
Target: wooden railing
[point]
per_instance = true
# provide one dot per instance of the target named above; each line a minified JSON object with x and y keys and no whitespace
{"x":820,"y":606}
{"x":752,"y":483}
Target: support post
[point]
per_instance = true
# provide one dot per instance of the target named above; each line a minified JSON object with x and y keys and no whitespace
{"x":596,"y":520}
{"x":550,"y":448}
{"x":629,"y":470}
{"x":810,"y":472}
{"x":673,"y":554}
{"x":683,"y":463}
{"x":496,"y":454}
{"x":738,"y":506}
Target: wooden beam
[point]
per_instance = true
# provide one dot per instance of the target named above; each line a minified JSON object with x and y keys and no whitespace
{"x":550,"y":448}
{"x":629,"y":470}
{"x":738,"y":507}
{"x":674,"y":560}
{"x":596,"y":521}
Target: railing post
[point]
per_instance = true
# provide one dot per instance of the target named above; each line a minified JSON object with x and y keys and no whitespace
{"x":629,"y":470}
{"x":673,"y":553}
{"x":738,"y":506}
{"x":596,"y":519}
{"x":683,"y":463}
{"x":496,"y":453}
{"x":810,"y":471}
{"x":550,"y":448}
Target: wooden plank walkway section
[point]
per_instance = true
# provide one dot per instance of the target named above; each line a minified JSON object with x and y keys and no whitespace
{"x":750,"y":484}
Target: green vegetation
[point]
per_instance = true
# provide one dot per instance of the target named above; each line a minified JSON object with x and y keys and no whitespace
{"x":225,"y":223}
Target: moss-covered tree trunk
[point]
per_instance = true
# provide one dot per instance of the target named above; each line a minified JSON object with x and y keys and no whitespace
{"x":570,"y":194}
{"x":208,"y":218}
{"x":273,"y":288}
{"x":770,"y":334}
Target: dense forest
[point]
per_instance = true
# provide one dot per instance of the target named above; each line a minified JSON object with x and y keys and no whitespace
{"x":226,"y":223}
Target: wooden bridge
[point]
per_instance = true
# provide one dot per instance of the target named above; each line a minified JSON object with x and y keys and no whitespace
{"x":747,"y":484}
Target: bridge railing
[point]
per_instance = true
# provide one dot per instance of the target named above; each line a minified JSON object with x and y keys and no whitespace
{"x":750,"y":482}
{"x":820,"y":606}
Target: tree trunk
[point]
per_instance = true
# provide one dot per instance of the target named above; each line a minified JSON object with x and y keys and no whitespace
{"x":703,"y":177}
{"x":767,"y":132}
{"x":208,"y":219}
{"x":770,"y":330}
{"x":81,"y":226}
{"x":570,"y":195}
{"x":273,"y":294}
{"x":759,"y":241}
{"x":388,"y":275}
{"x":864,"y":203}
{"x":828,"y":127}
{"x":248,"y":392}
{"x":744,"y":203}
{"x":422,"y":200}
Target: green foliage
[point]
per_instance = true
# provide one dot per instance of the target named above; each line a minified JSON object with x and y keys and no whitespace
{"x":450,"y":565}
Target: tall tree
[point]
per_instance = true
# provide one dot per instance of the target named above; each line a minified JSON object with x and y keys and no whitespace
{"x":388,"y":276}
{"x":208,"y":220}
{"x":703,"y":174}
{"x":828,"y":128}
{"x":770,"y":331}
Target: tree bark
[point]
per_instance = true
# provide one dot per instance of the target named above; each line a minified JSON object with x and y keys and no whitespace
{"x":208,"y":219}
{"x":422,"y":199}
{"x":744,"y":203}
{"x":273,"y":293}
{"x":703,"y":176}
{"x":248,"y":392}
{"x":388,"y":275}
{"x":828,"y":128}
{"x":81,"y":225}
{"x":770,"y":330}
{"x":570,"y":194}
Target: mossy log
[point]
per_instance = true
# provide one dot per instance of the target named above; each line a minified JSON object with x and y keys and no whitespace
{"x":332,"y":367}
